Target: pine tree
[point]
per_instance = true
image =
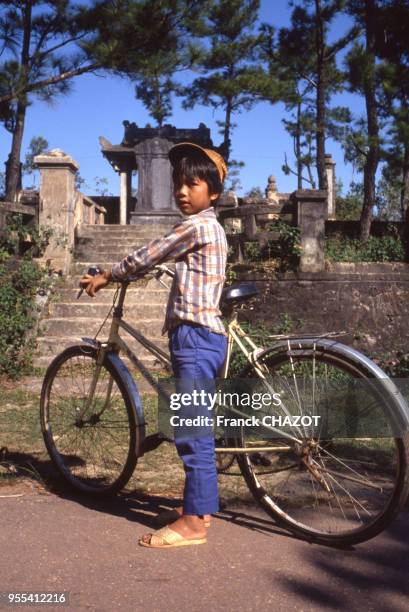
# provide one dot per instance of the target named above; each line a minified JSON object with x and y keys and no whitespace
{"x":393,"y":52}
{"x":155,"y":87}
{"x":310,"y":68}
{"x":363,"y":78}
{"x":232,"y":77}
{"x":290,"y":78}
{"x":33,"y":34}
{"x":46,"y":43}
{"x":37,"y":145}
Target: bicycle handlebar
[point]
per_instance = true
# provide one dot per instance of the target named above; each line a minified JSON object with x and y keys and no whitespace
{"x":156,"y":272}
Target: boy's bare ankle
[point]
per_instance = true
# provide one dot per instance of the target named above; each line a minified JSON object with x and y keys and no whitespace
{"x":206,"y":517}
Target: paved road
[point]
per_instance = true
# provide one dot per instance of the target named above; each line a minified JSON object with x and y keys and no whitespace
{"x":55,"y":543}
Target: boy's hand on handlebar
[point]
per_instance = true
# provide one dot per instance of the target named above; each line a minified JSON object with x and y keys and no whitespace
{"x":92,"y":284}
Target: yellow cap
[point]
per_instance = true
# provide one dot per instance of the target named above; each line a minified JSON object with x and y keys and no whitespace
{"x":183,"y":149}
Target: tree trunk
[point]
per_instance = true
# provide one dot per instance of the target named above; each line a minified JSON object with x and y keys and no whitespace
{"x":404,"y":192}
{"x":404,"y":199}
{"x":298,"y":147}
{"x":320,"y":100}
{"x":372,"y":158}
{"x":13,"y":173}
{"x":226,"y":132}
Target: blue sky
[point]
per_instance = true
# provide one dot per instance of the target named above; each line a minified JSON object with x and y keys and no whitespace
{"x":97,"y":106}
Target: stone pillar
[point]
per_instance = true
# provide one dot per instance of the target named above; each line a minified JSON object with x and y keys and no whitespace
{"x":123,"y":198}
{"x":330,"y":170}
{"x":271,"y":190}
{"x":311,"y":208}
{"x":57,"y":203}
{"x":155,"y":175}
{"x":155,"y":185}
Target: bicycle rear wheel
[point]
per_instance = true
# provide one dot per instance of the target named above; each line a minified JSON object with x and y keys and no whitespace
{"x":342,"y":482}
{"x":92,"y":444}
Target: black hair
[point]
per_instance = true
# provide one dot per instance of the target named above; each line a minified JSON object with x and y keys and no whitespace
{"x":198,"y":167}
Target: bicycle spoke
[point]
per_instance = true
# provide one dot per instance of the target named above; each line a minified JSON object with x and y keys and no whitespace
{"x":92,"y":449}
{"x":328,"y":483}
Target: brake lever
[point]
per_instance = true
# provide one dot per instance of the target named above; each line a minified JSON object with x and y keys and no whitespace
{"x":158,"y":273}
{"x":92,"y":271}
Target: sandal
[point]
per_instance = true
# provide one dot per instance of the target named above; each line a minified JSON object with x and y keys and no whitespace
{"x":167,"y":538}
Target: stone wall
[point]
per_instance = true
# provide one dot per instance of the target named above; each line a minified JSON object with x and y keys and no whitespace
{"x":369,"y":301}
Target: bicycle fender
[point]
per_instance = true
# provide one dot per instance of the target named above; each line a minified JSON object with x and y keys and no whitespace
{"x":132,"y":389}
{"x":401,"y":416}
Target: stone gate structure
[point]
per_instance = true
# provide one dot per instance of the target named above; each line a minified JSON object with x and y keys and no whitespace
{"x":145,"y":150}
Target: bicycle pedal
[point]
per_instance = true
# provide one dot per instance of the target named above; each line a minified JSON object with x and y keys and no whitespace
{"x":151,"y":442}
{"x":260,"y":459}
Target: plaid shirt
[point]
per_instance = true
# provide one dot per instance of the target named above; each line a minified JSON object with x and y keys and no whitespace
{"x":199,"y":247}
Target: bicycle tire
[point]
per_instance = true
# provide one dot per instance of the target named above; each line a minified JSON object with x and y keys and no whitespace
{"x":313,"y":515}
{"x":95,"y":452}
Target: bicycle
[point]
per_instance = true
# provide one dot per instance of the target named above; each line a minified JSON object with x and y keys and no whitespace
{"x":334,"y":484}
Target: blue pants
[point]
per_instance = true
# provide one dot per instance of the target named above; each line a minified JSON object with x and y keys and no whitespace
{"x":197,"y":355}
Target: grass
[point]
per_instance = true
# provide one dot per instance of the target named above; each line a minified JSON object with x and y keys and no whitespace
{"x":24,"y":458}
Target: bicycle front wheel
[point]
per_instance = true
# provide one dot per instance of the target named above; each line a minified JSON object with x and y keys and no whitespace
{"x":91,"y":438}
{"x":343,"y":481}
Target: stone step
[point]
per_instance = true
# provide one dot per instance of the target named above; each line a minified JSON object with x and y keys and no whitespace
{"x":78,"y":268}
{"x":106,"y":295}
{"x":85,"y":326}
{"x":108,"y":245}
{"x":93,"y":310}
{"x":130,"y":228}
{"x":81,"y":267}
{"x":67,"y":319}
{"x":125,"y":232}
{"x":104,"y":255}
{"x":49,"y":346}
{"x":152,"y":364}
{"x":133,"y":286}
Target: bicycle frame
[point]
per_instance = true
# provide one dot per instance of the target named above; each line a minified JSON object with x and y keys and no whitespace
{"x":236,"y":334}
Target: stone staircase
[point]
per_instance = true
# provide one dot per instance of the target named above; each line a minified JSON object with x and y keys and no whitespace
{"x":67,"y":319}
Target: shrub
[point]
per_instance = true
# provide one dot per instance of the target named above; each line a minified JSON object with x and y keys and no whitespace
{"x":285,"y":250}
{"x":376,"y":249}
{"x":16,"y":233}
{"x":20,"y":277}
{"x":19,"y":280}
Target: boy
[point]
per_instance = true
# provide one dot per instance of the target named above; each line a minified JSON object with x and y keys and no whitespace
{"x":197,"y":339}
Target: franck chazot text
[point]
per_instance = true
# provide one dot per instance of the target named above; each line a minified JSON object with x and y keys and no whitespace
{"x":268,"y":420}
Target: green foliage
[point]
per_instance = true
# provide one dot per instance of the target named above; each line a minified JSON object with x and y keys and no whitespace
{"x":231,"y":74}
{"x":231,"y":275}
{"x":255,"y":192}
{"x":396,"y":366}
{"x":156,"y":83}
{"x":102,"y":186}
{"x":37,"y":145}
{"x":15,"y":233}
{"x":252,"y":251}
{"x":349,"y":207}
{"x":303,"y":62}
{"x":19,"y":280}
{"x":285,"y":250}
{"x":376,"y":249}
{"x":260,"y":334}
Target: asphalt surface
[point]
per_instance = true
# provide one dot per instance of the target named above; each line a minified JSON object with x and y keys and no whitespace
{"x":55,"y":543}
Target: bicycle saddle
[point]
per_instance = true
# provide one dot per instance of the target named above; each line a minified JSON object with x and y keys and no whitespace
{"x":239,"y":293}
